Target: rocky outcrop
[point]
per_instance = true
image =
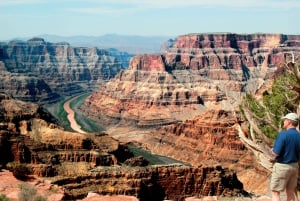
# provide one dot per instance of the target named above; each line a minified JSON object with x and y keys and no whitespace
{"x":37,"y":70}
{"x":194,"y":73}
{"x":83,"y":163}
{"x":29,"y":135}
{"x":211,"y":138}
{"x":13,"y":189}
{"x":231,"y":51}
{"x":155,"y":182}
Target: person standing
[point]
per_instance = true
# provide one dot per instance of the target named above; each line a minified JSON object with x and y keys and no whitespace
{"x":286,"y":151}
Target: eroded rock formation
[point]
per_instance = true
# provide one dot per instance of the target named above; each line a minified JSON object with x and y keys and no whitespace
{"x":195,"y":86}
{"x":196,"y":70}
{"x":37,"y":70}
{"x":81,"y":163}
{"x":155,"y":182}
{"x":29,"y":135}
{"x":211,"y":139}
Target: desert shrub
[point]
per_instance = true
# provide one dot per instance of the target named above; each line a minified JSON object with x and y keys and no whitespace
{"x":19,"y":170}
{"x":40,"y":198}
{"x":3,"y":198}
{"x":28,"y":193}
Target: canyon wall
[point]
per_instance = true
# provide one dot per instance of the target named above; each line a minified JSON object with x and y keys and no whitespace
{"x":81,"y":163}
{"x":30,"y":135}
{"x":173,"y":182}
{"x":37,"y":70}
{"x":197,"y":70}
{"x":189,"y":97}
{"x":209,"y":139}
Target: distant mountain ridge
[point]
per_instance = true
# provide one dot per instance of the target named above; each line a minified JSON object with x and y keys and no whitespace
{"x":133,"y":44}
{"x":40,"y":71}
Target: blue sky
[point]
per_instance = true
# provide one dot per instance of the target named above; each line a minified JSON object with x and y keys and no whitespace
{"x":28,"y":18}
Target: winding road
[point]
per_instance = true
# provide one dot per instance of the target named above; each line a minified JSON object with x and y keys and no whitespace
{"x":71,"y":116}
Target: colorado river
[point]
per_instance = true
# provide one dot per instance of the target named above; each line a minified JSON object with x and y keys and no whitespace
{"x":71,"y":116}
{"x":137,"y":151}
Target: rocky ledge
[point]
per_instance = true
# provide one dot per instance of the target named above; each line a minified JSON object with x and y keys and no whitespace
{"x":173,"y":182}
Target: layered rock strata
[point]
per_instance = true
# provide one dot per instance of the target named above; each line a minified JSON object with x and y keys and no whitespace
{"x":37,"y":70}
{"x":194,"y":86}
{"x":81,"y":163}
{"x":28,"y":137}
{"x":211,"y":139}
{"x":155,"y":182}
{"x":195,"y":72}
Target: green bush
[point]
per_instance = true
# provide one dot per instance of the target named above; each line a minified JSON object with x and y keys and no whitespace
{"x":3,"y":198}
{"x":19,"y":170}
{"x":28,"y":193}
{"x":40,"y":198}
{"x":267,"y":111}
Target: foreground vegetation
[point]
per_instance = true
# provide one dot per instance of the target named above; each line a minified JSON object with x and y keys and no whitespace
{"x":264,"y":114}
{"x":27,"y":193}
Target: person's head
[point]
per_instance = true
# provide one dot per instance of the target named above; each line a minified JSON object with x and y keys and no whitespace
{"x":290,"y":120}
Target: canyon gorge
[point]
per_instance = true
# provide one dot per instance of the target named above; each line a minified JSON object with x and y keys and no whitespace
{"x":39,"y":71}
{"x":182,"y":103}
{"x":34,"y":145}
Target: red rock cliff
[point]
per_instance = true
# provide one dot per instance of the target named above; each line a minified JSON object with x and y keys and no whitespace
{"x":195,"y":86}
{"x":210,"y":70}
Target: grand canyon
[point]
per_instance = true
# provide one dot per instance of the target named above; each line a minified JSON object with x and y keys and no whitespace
{"x":182,"y":105}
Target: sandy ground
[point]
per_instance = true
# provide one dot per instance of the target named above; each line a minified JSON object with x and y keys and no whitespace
{"x":71,"y":116}
{"x":9,"y":186}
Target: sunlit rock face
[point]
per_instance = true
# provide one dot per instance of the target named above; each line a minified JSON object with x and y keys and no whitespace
{"x":30,"y":135}
{"x":172,"y":182}
{"x":211,"y":138}
{"x":191,"y":93}
{"x":37,"y":70}
{"x":201,"y":71}
{"x":81,"y":163}
{"x":243,"y":62}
